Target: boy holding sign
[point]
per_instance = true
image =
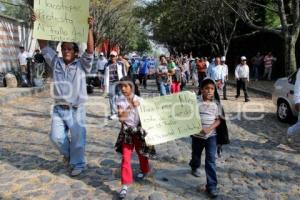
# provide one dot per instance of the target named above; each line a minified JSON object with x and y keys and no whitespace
{"x":70,"y":94}
{"x":131,"y":135}
{"x":207,"y":138}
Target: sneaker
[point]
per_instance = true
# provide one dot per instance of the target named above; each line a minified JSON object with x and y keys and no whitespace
{"x":76,"y":172}
{"x":123,"y":192}
{"x":196,"y":172}
{"x":212,"y":193}
{"x":113,"y":117}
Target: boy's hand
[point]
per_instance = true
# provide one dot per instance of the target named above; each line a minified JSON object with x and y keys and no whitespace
{"x":91,"y":22}
{"x":205,"y":131}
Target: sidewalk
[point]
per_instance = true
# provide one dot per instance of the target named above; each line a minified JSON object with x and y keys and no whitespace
{"x":262,"y":87}
{"x":7,"y":94}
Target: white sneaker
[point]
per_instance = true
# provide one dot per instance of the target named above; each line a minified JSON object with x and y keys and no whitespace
{"x":113,"y":117}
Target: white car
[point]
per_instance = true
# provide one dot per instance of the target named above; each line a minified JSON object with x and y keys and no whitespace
{"x":283,"y":98}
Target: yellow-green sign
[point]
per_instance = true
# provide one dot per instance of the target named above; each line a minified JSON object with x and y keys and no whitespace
{"x":167,"y":118}
{"x":61,"y":20}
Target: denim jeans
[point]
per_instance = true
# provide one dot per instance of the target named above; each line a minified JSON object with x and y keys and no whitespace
{"x":210,"y":145}
{"x":73,"y":120}
{"x":114,"y":91}
{"x":164,"y":88}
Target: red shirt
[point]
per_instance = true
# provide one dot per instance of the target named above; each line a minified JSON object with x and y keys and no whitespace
{"x":201,"y":66}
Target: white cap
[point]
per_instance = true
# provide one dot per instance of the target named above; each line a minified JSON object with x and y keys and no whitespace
{"x":101,"y":54}
{"x":113,"y":53}
{"x":243,"y":58}
{"x":223,"y":58}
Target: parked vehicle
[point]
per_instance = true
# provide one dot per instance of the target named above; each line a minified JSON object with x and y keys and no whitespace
{"x":283,"y":98}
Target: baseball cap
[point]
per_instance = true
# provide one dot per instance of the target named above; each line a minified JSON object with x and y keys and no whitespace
{"x":243,"y":58}
{"x":223,"y":58}
{"x":113,"y":53}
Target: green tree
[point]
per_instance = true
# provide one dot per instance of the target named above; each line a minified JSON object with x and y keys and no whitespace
{"x":282,"y":18}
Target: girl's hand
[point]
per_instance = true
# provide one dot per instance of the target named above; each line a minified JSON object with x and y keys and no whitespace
{"x":205,"y":131}
{"x":136,"y":103}
{"x":123,"y":116}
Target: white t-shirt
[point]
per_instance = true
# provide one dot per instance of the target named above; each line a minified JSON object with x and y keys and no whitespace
{"x":22,"y":58}
{"x":101,"y":64}
{"x":133,"y":118}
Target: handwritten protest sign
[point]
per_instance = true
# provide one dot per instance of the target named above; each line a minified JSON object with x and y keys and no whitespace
{"x":61,"y":20}
{"x":170,"y":117}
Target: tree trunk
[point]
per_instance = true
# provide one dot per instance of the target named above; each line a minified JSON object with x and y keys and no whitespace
{"x":292,"y":54}
{"x":290,"y":63}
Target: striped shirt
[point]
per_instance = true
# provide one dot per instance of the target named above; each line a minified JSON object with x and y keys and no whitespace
{"x":269,"y":61}
{"x":209,"y":112}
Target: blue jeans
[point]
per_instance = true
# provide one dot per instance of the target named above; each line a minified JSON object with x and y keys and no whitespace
{"x":114,"y":91}
{"x":210,"y":145}
{"x":73,"y":120}
{"x":164,"y":88}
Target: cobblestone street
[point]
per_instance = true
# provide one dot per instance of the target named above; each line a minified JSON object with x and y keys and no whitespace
{"x":258,"y":164}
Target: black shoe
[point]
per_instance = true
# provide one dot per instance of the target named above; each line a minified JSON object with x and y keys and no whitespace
{"x":225,"y":98}
{"x":196,"y":172}
{"x":247,"y":100}
{"x":236,"y":96}
{"x":212,"y":193}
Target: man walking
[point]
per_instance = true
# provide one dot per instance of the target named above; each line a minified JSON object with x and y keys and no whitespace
{"x":114,"y":71}
{"x":144,"y":71}
{"x":216,"y":73}
{"x":225,"y":73}
{"x":70,"y":94}
{"x":242,"y":78}
{"x":102,"y":61}
{"x":22,"y":57}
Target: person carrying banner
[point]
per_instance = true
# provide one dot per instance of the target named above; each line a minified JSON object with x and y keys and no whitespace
{"x":70,"y":94}
{"x":131,"y":135}
{"x":207,"y":137}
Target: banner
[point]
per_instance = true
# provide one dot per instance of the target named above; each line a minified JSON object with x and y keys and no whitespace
{"x":167,"y":118}
{"x":61,"y":20}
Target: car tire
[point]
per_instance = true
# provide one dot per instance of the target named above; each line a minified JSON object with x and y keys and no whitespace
{"x":284,"y":112}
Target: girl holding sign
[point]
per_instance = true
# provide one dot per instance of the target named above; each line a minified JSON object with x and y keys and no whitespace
{"x":131,"y":135}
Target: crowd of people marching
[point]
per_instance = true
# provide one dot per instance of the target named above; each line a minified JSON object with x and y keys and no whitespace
{"x":121,"y":78}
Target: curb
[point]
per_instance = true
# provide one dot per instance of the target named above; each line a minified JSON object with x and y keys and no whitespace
{"x":258,"y":91}
{"x":31,"y":92}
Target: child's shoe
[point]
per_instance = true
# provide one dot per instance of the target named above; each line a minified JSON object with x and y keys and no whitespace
{"x":123,"y":192}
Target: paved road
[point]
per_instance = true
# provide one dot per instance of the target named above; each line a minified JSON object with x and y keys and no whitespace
{"x":258,"y":164}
